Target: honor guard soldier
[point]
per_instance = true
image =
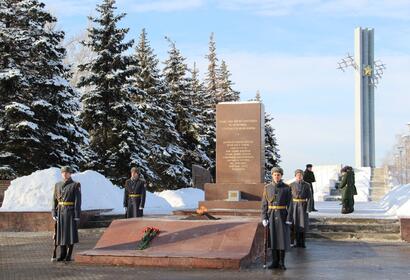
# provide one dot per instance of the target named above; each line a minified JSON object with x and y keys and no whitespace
{"x":66,"y":212}
{"x":134,"y":195}
{"x":276,"y":200}
{"x":298,"y":211}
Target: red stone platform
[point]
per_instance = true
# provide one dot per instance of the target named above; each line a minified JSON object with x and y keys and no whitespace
{"x":227,"y":244}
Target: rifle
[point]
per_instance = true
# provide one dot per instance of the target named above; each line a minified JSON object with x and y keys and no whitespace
{"x":265,"y":245}
{"x":55,"y":242}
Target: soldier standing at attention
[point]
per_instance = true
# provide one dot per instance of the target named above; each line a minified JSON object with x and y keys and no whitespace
{"x":309,"y":177}
{"x":134,"y":195}
{"x":66,"y":212}
{"x":276,"y":200}
{"x":298,"y":212}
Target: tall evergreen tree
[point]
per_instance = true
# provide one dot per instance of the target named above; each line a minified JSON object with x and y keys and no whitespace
{"x":202,"y":114}
{"x":272,"y":156}
{"x":179,"y":86}
{"x":112,"y":120}
{"x":150,"y":95}
{"x":225,"y":93}
{"x":38,"y":126}
{"x":211,"y":86}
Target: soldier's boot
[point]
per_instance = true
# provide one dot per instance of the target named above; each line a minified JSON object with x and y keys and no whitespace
{"x":298,"y":243}
{"x":282,"y":260}
{"x":275,"y":260}
{"x":293,"y":239}
{"x":63,"y":253}
{"x":69,"y":253}
{"x":303,"y":239}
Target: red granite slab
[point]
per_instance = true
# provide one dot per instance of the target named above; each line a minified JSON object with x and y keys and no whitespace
{"x":195,"y":244}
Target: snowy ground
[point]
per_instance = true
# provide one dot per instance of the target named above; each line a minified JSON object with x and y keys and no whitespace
{"x":366,"y":210}
{"x":34,"y":193}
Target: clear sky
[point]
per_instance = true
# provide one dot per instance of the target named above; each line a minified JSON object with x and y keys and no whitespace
{"x":288,"y":50}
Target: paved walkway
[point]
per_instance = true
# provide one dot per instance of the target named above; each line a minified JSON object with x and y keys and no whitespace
{"x":27,"y":256}
{"x":366,"y":210}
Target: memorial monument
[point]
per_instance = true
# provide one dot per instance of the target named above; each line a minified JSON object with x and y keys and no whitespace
{"x":368,"y":73}
{"x":240,"y":157}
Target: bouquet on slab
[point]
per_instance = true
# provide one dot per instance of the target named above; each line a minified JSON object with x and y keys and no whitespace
{"x":149,"y":233}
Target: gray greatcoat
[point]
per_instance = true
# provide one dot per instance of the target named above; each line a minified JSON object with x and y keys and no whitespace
{"x":133,"y":204}
{"x":68,"y":192}
{"x":298,"y":212}
{"x":277,"y":194}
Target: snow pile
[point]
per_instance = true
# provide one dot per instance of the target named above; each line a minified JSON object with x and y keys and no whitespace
{"x":183,"y":198}
{"x":362,"y":182}
{"x":326,"y":177}
{"x":397,"y":201}
{"x":34,"y":193}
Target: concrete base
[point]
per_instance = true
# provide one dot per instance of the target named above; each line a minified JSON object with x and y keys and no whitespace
{"x":219,"y":191}
{"x":184,"y":244}
{"x":35,"y":221}
{"x":405,"y":229}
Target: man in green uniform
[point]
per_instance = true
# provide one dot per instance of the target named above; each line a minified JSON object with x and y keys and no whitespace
{"x":298,"y":211}
{"x":134,"y":195}
{"x":348,"y":189}
{"x":276,"y":200}
{"x":66,"y":212}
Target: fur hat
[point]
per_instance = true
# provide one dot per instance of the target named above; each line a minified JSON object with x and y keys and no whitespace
{"x":309,"y":165}
{"x":298,"y":171}
{"x":277,"y":170}
{"x":66,"y":169}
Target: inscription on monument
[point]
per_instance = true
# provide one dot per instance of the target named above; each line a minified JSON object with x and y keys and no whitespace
{"x":239,"y":142}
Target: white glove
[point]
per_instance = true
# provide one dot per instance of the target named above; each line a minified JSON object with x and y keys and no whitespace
{"x":55,"y":219}
{"x":265,"y":223}
{"x":141,"y":208}
{"x":288,"y":223}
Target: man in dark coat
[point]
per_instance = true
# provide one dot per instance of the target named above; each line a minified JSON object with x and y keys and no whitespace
{"x":298,"y":211}
{"x":348,"y":189}
{"x":66,"y":212}
{"x":309,"y":177}
{"x":134,"y":195}
{"x":276,"y":200}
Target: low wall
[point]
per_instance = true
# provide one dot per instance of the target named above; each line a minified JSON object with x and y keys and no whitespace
{"x":4,"y":184}
{"x":35,"y":221}
{"x":405,"y":229}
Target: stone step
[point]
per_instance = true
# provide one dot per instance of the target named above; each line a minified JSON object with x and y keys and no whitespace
{"x":343,"y":220}
{"x":357,"y":228}
{"x":354,"y":236}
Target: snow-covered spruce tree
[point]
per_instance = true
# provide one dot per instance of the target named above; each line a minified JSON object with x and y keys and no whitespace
{"x":272,"y":156}
{"x":211,"y":86}
{"x":202,"y":114}
{"x":225,"y":93}
{"x":111,"y":119}
{"x":38,"y":126}
{"x":152,"y":98}
{"x":179,"y":86}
